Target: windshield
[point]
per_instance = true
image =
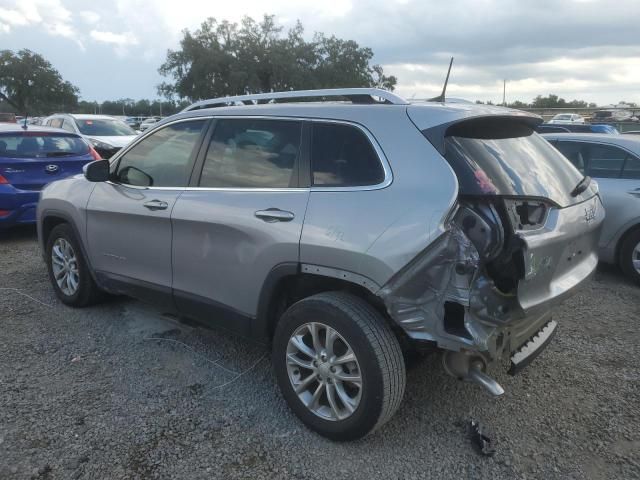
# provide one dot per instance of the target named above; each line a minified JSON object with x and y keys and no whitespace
{"x":104,"y":128}
{"x":498,"y":157}
{"x":41,"y":145}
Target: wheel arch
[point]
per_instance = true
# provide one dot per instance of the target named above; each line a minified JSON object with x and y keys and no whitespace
{"x":288,"y":283}
{"x":622,"y":238}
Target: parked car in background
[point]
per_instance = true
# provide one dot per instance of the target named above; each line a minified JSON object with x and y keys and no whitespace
{"x":614,"y":161}
{"x":254,"y":217}
{"x":576,"y":128}
{"x":614,"y":115}
{"x":148,"y":123}
{"x":31,"y":158}
{"x":7,"y":118}
{"x":106,"y":134}
{"x":134,"y":122}
{"x":566,"y":118}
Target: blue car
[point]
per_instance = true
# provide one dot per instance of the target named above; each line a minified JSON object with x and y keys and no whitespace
{"x":29,"y":159}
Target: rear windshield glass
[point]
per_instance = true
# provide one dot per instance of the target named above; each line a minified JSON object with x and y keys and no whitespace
{"x":104,"y":128}
{"x":498,"y":157}
{"x":41,"y":145}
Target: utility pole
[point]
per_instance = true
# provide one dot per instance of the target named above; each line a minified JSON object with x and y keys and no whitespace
{"x":504,"y":92}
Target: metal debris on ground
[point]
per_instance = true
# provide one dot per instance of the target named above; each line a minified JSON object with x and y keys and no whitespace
{"x":482,"y":442}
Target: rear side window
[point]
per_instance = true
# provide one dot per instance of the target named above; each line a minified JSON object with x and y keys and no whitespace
{"x":506,"y":157}
{"x":246,"y":153}
{"x":342,"y":156}
{"x":163,"y":159}
{"x":601,"y":161}
{"x":55,"y":123}
{"x":41,"y":145}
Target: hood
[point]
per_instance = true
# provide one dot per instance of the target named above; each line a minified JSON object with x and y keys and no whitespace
{"x":117,"y":141}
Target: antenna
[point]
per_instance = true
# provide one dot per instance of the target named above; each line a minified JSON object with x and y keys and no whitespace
{"x":440,"y":98}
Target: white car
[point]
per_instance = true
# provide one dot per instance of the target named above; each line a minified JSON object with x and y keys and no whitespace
{"x":106,"y":134}
{"x":565,"y":118}
{"x":148,"y":123}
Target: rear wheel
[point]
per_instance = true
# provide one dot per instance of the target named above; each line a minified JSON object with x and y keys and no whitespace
{"x":630,"y":256}
{"x":339,"y":365}
{"x":68,"y":269}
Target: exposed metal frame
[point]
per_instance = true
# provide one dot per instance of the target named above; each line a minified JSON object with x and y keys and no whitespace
{"x":356,"y":95}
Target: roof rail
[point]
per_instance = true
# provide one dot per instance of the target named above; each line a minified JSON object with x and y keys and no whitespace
{"x":356,"y":95}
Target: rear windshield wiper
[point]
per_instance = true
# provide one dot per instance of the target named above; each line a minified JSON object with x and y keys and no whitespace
{"x":581,"y":186}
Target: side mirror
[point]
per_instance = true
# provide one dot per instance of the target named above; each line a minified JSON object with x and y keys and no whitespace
{"x":96,"y":171}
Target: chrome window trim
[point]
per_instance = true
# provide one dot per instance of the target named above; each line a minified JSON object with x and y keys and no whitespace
{"x":382,"y":158}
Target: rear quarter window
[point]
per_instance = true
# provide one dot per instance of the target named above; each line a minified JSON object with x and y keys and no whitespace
{"x":342,"y":156}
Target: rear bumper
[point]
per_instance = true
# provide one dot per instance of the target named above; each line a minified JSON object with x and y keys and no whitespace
{"x":20,"y":203}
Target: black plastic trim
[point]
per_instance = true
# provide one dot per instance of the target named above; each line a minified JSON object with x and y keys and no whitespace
{"x":260,"y":327}
{"x":212,"y":313}
{"x":155,"y":294}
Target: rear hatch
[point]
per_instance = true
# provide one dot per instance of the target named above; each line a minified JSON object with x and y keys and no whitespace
{"x":31,"y":159}
{"x":549,"y":215}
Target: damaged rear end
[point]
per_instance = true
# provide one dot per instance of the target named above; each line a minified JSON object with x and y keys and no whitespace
{"x":522,"y":237}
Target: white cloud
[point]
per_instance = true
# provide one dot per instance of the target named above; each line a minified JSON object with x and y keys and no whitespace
{"x":118,"y":39}
{"x":50,"y":15}
{"x":89,"y":17}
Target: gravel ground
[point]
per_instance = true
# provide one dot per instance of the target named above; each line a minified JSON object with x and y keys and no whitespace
{"x":123,"y":391}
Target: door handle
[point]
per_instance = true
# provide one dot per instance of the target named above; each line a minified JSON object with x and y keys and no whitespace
{"x":271,"y":215}
{"x":156,"y":205}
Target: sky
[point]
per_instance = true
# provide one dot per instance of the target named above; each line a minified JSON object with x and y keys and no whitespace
{"x":582,"y":49}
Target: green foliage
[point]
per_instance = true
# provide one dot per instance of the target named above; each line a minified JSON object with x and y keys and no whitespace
{"x":553,"y":101}
{"x":223,"y":58}
{"x":29,"y":83}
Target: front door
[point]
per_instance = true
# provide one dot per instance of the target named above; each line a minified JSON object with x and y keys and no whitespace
{"x":244,"y":218}
{"x":128,"y":218}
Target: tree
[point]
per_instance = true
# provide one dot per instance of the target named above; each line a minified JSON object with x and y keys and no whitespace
{"x":223,"y":58}
{"x":29,"y":83}
{"x":553,"y":101}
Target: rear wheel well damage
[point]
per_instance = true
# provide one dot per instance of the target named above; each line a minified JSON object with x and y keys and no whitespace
{"x":292,"y":288}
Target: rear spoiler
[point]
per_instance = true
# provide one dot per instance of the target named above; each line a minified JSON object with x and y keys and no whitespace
{"x":437,"y":134}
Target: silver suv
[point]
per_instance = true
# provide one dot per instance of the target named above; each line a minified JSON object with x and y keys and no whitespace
{"x":345,"y":233}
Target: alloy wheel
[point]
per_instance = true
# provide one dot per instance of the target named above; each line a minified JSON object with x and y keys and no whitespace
{"x":65,"y":266}
{"x":324,"y":371}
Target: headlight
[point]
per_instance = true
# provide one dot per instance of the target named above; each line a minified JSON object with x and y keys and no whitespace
{"x":101,"y":145}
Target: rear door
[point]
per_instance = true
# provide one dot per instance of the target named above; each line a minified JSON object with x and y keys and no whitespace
{"x":242,"y":218}
{"x":128,"y":218}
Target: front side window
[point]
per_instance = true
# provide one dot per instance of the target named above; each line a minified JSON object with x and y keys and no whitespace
{"x":631,"y":168}
{"x":55,"y":123}
{"x":342,"y":156}
{"x":68,"y":126}
{"x":163,"y":159}
{"x":246,"y":153}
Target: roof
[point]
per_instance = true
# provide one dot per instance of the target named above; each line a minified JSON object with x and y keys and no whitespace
{"x":14,"y":127}
{"x":629,"y":141}
{"x":83,"y":116}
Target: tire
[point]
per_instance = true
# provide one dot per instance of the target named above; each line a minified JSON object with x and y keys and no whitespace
{"x":378,"y":363}
{"x":630,"y":252}
{"x":86,"y":292}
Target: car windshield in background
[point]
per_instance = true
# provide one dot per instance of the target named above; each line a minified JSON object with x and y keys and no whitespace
{"x":41,"y":145}
{"x":563,"y":117}
{"x":104,"y":128}
{"x":509,"y":159}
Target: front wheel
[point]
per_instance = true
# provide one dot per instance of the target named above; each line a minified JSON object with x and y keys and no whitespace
{"x":630,"y":256}
{"x":339,"y":365}
{"x":68,"y":269}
